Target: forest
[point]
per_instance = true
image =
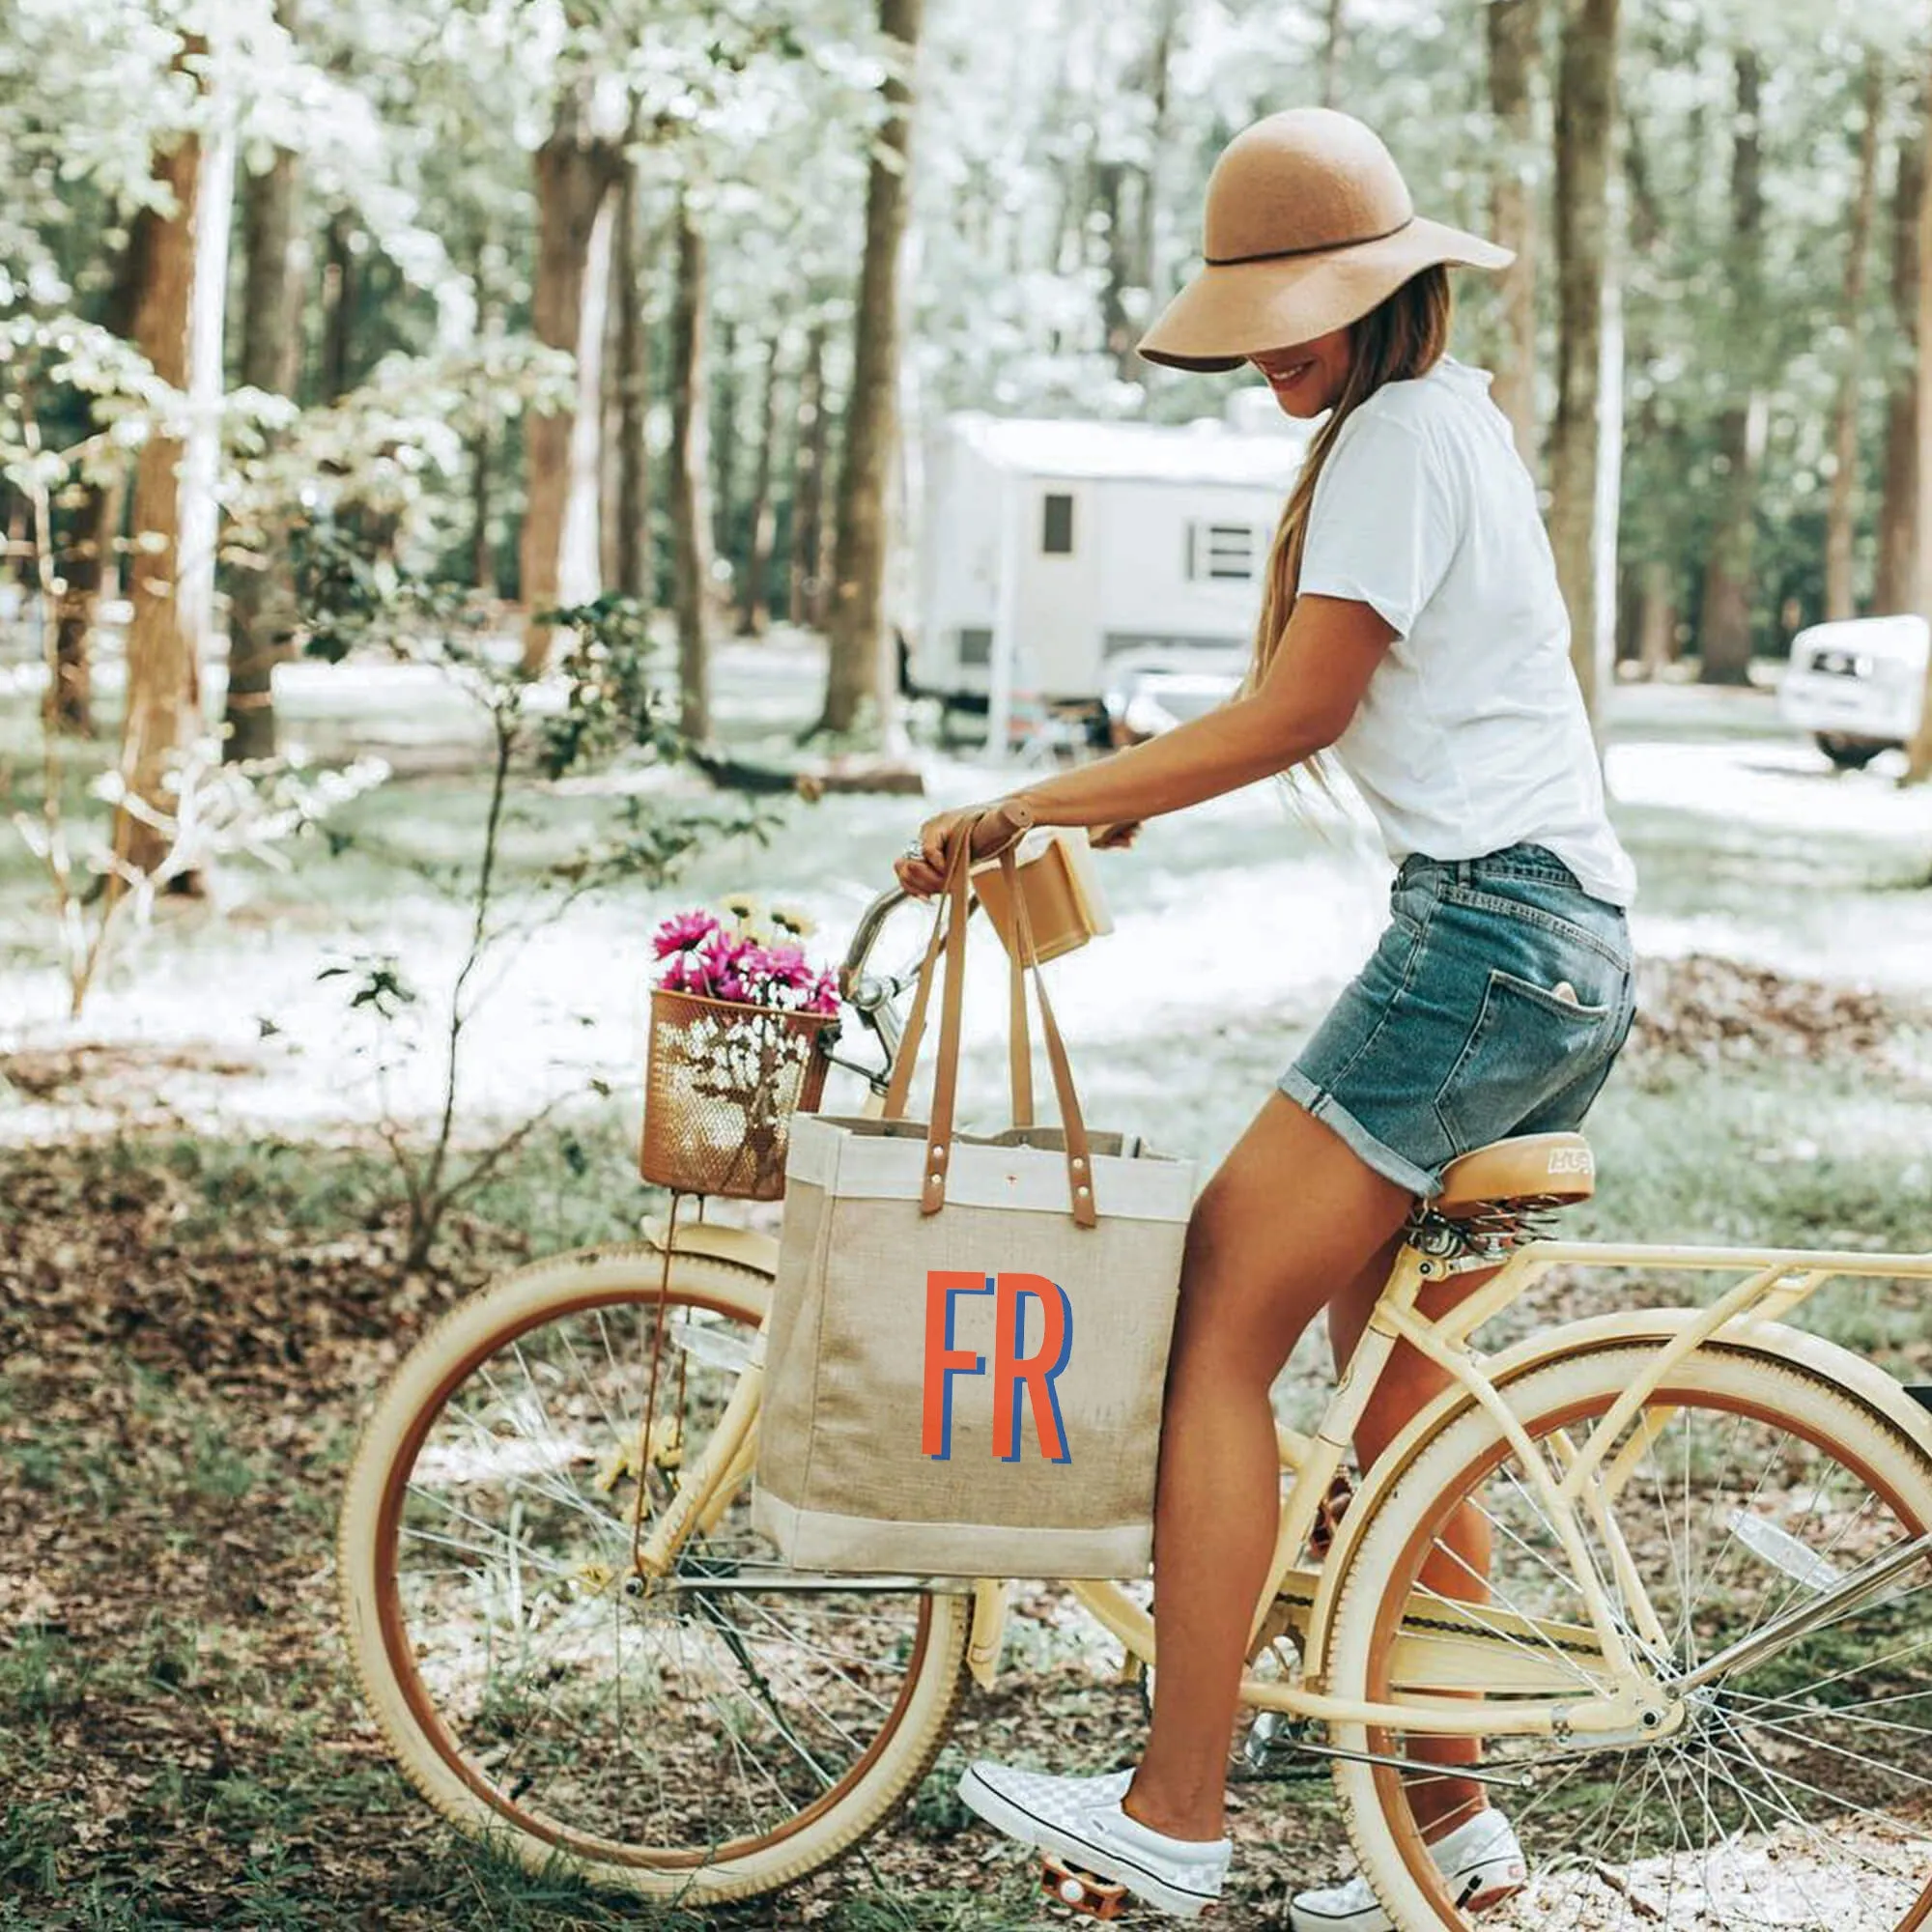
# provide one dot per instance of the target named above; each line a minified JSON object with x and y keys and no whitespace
{"x":468,"y":493}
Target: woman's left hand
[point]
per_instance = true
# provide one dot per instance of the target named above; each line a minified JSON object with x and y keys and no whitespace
{"x":938,"y":837}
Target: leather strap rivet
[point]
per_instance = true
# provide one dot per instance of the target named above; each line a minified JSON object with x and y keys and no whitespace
{"x":1082,"y":1192}
{"x":939,"y":1154}
{"x":934,"y":1178}
{"x":1078,"y":1162}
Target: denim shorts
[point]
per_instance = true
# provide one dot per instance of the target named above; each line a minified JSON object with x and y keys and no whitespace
{"x":1460,"y":1030}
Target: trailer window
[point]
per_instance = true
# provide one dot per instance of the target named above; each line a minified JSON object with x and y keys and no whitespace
{"x":1056,"y":537}
{"x":1221,"y":551}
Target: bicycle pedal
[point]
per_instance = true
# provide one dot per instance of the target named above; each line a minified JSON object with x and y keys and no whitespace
{"x":1081,"y":1891}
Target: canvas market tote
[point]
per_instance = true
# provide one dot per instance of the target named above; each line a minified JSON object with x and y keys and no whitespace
{"x":969,"y":1332}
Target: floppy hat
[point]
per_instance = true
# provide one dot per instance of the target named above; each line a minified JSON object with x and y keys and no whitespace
{"x":1309,"y":225}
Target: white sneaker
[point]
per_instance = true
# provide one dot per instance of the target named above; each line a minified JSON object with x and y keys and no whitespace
{"x":1481,"y":1860}
{"x":1081,"y":1820}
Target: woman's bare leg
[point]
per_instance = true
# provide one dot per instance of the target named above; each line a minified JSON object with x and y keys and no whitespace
{"x":1290,"y":1215}
{"x":1461,"y":1566}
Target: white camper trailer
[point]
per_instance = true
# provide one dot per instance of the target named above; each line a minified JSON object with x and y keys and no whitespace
{"x":1059,"y":561}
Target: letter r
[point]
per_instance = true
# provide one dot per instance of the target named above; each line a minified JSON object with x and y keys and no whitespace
{"x":943,"y":1361}
{"x":1037,"y":1371}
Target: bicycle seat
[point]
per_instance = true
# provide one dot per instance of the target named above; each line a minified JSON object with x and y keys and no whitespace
{"x":1532,"y":1171}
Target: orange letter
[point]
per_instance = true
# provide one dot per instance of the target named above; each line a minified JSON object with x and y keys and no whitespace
{"x":1038,"y":1371}
{"x":943,"y":1361}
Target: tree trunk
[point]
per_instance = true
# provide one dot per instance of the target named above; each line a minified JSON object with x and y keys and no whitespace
{"x":483,"y":441}
{"x":1840,"y":598}
{"x":691,"y":480}
{"x":805,"y":601}
{"x":339,"y":297}
{"x":1331,"y":53}
{"x":576,"y":176}
{"x":258,"y":606}
{"x":1514,"y":35}
{"x":1585,"y":120}
{"x":91,"y":568}
{"x":1657,"y":619}
{"x":724,"y":445}
{"x":754,"y":605}
{"x":633,"y":469}
{"x":610,"y":399}
{"x":168,"y":625}
{"x":1149,"y":266}
{"x":1918,"y":756}
{"x":1897,"y":587}
{"x":860,"y":661}
{"x":1723,"y":619}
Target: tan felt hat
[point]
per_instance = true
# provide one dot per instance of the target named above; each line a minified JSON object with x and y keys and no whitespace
{"x":1309,"y":226}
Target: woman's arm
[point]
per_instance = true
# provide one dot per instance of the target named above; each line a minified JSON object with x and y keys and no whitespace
{"x":1326,"y":656}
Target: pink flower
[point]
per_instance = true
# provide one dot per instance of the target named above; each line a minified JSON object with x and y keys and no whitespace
{"x":785,"y":964}
{"x":683,"y":930}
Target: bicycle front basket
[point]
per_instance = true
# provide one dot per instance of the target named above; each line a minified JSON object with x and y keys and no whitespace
{"x":721,"y":1082}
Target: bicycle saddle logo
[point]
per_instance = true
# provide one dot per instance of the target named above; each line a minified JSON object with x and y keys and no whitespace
{"x":1571,"y":1160}
{"x":1012,"y":1367}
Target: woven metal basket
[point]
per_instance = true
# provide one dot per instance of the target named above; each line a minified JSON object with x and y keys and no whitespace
{"x":721,"y":1082}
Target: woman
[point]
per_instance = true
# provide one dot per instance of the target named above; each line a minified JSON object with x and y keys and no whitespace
{"x":1411,"y":622}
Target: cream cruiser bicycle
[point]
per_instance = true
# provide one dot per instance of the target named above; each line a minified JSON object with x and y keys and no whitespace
{"x":1698,"y":1674}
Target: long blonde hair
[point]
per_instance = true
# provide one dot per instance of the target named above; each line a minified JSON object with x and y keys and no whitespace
{"x":1405,"y":335}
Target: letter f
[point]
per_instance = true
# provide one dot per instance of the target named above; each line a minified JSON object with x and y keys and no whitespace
{"x":943,"y":1361}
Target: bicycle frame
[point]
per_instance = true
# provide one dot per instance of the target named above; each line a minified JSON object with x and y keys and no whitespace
{"x":1489,"y":1683}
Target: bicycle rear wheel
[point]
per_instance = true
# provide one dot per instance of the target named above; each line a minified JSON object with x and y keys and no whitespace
{"x":716,"y":1738}
{"x":1797,"y":1795}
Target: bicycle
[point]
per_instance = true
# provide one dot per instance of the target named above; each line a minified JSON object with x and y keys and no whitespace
{"x":1698,"y":1660}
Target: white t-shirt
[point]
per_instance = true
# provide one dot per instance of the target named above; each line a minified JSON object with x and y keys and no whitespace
{"x":1472,"y":733}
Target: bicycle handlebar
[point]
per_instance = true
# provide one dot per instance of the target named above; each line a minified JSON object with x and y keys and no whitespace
{"x":875,"y":1008}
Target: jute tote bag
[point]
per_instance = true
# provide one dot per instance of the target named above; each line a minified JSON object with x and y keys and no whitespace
{"x":969,"y":1332}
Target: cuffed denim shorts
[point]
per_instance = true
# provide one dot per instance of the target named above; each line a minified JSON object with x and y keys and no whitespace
{"x":1494,"y":1005}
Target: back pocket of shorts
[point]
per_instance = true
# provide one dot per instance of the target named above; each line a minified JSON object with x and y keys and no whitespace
{"x":1527,"y":1043}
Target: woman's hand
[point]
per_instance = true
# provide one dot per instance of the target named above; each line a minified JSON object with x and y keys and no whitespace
{"x":1000,"y":822}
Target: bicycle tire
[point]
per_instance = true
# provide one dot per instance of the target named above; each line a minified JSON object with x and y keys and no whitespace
{"x":1752,"y":1379}
{"x":518,"y":1305}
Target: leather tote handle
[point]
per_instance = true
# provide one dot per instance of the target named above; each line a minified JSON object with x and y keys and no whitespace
{"x":1019,"y":1056}
{"x":932,"y":1193}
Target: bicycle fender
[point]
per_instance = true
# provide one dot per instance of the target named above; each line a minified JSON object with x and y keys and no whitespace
{"x":1870,"y":1384}
{"x":743,"y":1247}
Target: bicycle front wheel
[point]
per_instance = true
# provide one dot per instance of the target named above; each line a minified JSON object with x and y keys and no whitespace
{"x":727,"y":1731}
{"x":1797,"y":1794}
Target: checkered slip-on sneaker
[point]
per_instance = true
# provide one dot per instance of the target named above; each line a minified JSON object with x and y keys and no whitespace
{"x":1081,"y":1820}
{"x":1481,"y":1860}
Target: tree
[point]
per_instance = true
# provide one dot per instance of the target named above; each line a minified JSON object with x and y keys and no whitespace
{"x":689,"y":482}
{"x":271,"y":361}
{"x":1897,"y":587}
{"x":1514,"y":33}
{"x":578,"y":168}
{"x":1723,"y":619}
{"x":808,"y":571}
{"x":90,"y":563}
{"x":1585,"y":120}
{"x":861,"y":664}
{"x":631,"y":561}
{"x":1919,"y":757}
{"x":180,"y":249}
{"x":1839,"y":598}
{"x":754,"y":597}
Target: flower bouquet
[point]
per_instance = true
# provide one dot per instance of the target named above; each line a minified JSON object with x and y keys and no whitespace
{"x":739,"y":1027}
